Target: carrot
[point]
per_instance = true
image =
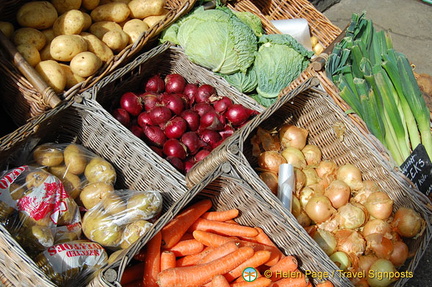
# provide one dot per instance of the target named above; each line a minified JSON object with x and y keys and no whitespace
{"x":177,"y":227}
{"x":132,"y":273}
{"x":232,"y":222}
{"x":284,"y":265}
{"x":223,"y":228}
{"x":186,"y":236}
{"x":219,"y":281}
{"x":152,"y":260}
{"x":259,"y":282}
{"x":140,"y":255}
{"x":263,"y":238}
{"x":168,"y":260}
{"x":221,"y":215}
{"x":219,"y":252}
{"x":202,"y":274}
{"x":136,"y":283}
{"x":241,"y":279}
{"x":193,"y":259}
{"x":259,"y":258}
{"x":325,"y":283}
{"x":186,"y":247}
{"x":291,"y":282}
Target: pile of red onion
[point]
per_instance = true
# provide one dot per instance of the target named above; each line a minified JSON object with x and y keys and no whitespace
{"x":182,"y":122}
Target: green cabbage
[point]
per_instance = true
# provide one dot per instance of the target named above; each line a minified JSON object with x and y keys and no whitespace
{"x":279,"y":61}
{"x":252,"y":20}
{"x":244,"y":82}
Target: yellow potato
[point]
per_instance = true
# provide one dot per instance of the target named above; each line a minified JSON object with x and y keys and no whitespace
{"x":100,"y":170}
{"x":87,"y":21}
{"x":102,"y":2}
{"x":48,"y":155}
{"x":101,"y":228}
{"x":133,"y":231}
{"x":75,"y":158}
{"x":49,"y":35}
{"x":152,"y":20}
{"x":7,"y":29}
{"x":99,"y":29}
{"x":144,"y":8}
{"x":98,"y":47}
{"x":53,"y":74}
{"x":89,"y":4}
{"x":36,"y":178}
{"x":63,"y":6}
{"x":69,"y":23}
{"x":72,"y":184}
{"x":114,"y":204}
{"x":85,"y":64}
{"x":30,"y":54}
{"x":93,"y":193}
{"x":135,"y":28}
{"x":29,"y":36}
{"x":116,"y":40}
{"x":16,"y":191}
{"x":143,"y":205}
{"x":45,"y":53}
{"x":116,"y":12}
{"x":37,"y":14}
{"x":66,"y":47}
{"x":71,"y":78}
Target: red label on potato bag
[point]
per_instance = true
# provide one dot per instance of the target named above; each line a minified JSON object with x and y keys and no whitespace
{"x":10,"y":177}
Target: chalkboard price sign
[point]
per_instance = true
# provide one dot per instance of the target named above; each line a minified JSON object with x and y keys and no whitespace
{"x":418,"y":168}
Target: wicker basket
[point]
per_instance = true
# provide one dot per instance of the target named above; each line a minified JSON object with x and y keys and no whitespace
{"x":89,"y":125}
{"x":227,"y":189}
{"x":316,"y":111}
{"x":24,"y":101}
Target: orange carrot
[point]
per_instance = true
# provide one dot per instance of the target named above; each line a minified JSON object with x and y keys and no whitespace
{"x":219,"y":252}
{"x":232,"y":222}
{"x":186,"y":247}
{"x":219,"y":281}
{"x":259,"y":282}
{"x":140,"y":255}
{"x":202,"y":274}
{"x":285,"y":264}
{"x":221,"y":215}
{"x":186,"y":236}
{"x":168,"y":260}
{"x":291,"y":282}
{"x":223,"y":228}
{"x":132,"y":273}
{"x":325,"y":283}
{"x":260,"y":257}
{"x":193,"y":259}
{"x":177,"y":227}
{"x":263,"y":238}
{"x":152,"y":260}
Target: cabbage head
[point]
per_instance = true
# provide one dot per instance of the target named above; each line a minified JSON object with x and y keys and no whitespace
{"x":279,"y":61}
{"x":244,"y":82}
{"x":215,"y":39}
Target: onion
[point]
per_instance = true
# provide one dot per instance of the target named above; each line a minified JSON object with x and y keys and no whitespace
{"x":137,"y":131}
{"x":174,"y":102}
{"x":201,"y":155}
{"x":122,"y":116}
{"x":293,"y":136}
{"x":237,"y":114}
{"x":192,"y":141}
{"x":157,"y":150}
{"x":294,"y":157}
{"x":326,"y":240}
{"x":303,"y":219}
{"x":271,"y":160}
{"x":382,"y":273}
{"x":188,"y":164}
{"x":191,"y":91}
{"x":350,"y":241}
{"x":211,"y":121}
{"x":369,"y":186}
{"x":365,"y":261}
{"x":311,"y":176}
{"x":296,"y":206}
{"x":176,"y":162}
{"x":305,"y":195}
{"x":341,"y":259}
{"x":154,"y":135}
{"x":377,"y":226}
{"x":351,"y":175}
{"x":271,"y":180}
{"x":338,"y":192}
{"x":319,"y":208}
{"x":155,"y":84}
{"x":149,"y":100}
{"x":174,"y":83}
{"x":175,"y":127}
{"x":400,"y":253}
{"x":300,"y":179}
{"x":227,"y":131}
{"x":408,"y":223}
{"x":381,"y":246}
{"x":131,"y":103}
{"x":350,"y":216}
{"x":173,"y":147}
{"x":144,"y":119}
{"x":212,"y":138}
{"x":327,"y":169}
{"x":160,"y":115}
{"x":204,"y":93}
{"x":312,"y":154}
{"x":192,"y":118}
{"x":222,"y":104}
{"x":202,"y":108}
{"x":379,"y":205}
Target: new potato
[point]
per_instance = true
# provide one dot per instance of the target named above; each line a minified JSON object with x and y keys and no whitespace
{"x":75,"y":158}
{"x":53,"y":74}
{"x":93,"y":193}
{"x":153,"y":20}
{"x":116,"y":40}
{"x":144,"y":8}
{"x":98,"y":169}
{"x":116,"y":12}
{"x":98,"y":47}
{"x":48,"y":155}
{"x":7,"y":28}
{"x":29,"y":36}
{"x":101,"y":228}
{"x":71,"y":78}
{"x":45,"y":53}
{"x":135,"y":28}
{"x":71,"y":182}
{"x":49,"y":35}
{"x":71,"y":22}
{"x":99,"y":29}
{"x":66,"y":47}
{"x":63,"y":6}
{"x":85,"y":64}
{"x":90,"y":4}
{"x":37,"y":14}
{"x":30,"y":54}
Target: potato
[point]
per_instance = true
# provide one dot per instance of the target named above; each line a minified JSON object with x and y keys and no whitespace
{"x":36,"y":178}
{"x":52,"y":74}
{"x":93,"y":193}
{"x":67,"y":216}
{"x":71,"y":78}
{"x":102,"y":2}
{"x":37,"y":14}
{"x":49,"y":35}
{"x":16,"y":191}
{"x":66,"y":47}
{"x":153,"y":20}
{"x":89,"y":4}
{"x":101,"y":228}
{"x":100,"y":170}
{"x":75,"y":158}
{"x":99,"y":29}
{"x":98,"y":47}
{"x":47,"y":155}
{"x":63,"y":6}
{"x":116,"y":40}
{"x":133,"y":231}
{"x":116,"y":12}
{"x":45,"y":53}
{"x":144,"y":8}
{"x":114,"y":204}
{"x":29,"y":36}
{"x":30,"y":54}
{"x":143,"y":205}
{"x":7,"y":29}
{"x":135,"y":28}
{"x":71,"y":182}
{"x":70,"y":23}
{"x":85,"y":64}
{"x":87,"y":21}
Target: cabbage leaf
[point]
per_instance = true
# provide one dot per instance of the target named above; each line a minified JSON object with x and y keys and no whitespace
{"x":244,"y":82}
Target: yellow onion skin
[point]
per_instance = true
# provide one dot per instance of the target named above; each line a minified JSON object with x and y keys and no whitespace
{"x":350,"y":242}
{"x":407,"y":222}
{"x":379,"y":205}
{"x":300,"y":180}
{"x":351,"y":175}
{"x":293,"y":136}
{"x":381,"y":246}
{"x":377,"y":271}
{"x":312,"y":154}
{"x":271,"y":180}
{"x":271,"y":160}
{"x":338,"y":192}
{"x":377,"y":226}
{"x":400,"y":253}
{"x":327,"y":169}
{"x":350,"y":216}
{"x":294,"y":157}
{"x":319,"y":208}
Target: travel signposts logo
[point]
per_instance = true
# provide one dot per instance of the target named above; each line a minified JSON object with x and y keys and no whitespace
{"x":250,"y":274}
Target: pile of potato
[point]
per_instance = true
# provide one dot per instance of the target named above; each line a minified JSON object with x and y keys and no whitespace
{"x":69,"y":40}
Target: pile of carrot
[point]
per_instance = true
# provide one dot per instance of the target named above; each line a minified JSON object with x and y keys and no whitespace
{"x":207,"y":248}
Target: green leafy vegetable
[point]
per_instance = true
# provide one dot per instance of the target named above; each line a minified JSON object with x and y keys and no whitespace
{"x":244,"y":82}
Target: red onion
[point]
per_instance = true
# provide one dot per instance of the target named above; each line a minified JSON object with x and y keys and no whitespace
{"x":192,"y":118}
{"x":157,"y":150}
{"x":174,"y":102}
{"x":201,"y":155}
{"x":192,"y":141}
{"x":154,"y":135}
{"x":202,"y":108}
{"x":173,"y":147}
{"x":191,"y":91}
{"x":176,"y":162}
{"x":175,"y":127}
{"x":227,"y":131}
{"x":237,"y":114}
{"x":204,"y":93}
{"x":137,"y":130}
{"x":131,"y":103}
{"x":188,"y":164}
{"x":122,"y":116}
{"x":144,"y":119}
{"x":160,"y":115}
{"x":213,"y":138}
{"x":174,"y":83}
{"x":222,"y":105}
{"x":149,"y":100}
{"x":155,"y":84}
{"x":211,"y":121}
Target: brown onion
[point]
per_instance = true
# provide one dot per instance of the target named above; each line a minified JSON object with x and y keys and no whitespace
{"x":305,"y":195}
{"x":365,"y":261}
{"x":338,"y":192}
{"x":326,"y":240}
{"x":312,"y":154}
{"x":407,"y":222}
{"x":351,"y":175}
{"x":400,"y":253}
{"x":311,"y":175}
{"x":296,"y":207}
{"x":379,"y":205}
{"x":293,"y":136}
{"x":319,"y":208}
{"x":300,"y":179}
{"x":327,"y":168}
{"x":350,"y":241}
{"x":271,"y":180}
{"x":369,"y":186}
{"x":377,"y":226}
{"x":381,"y":246}
{"x":387,"y":271}
{"x":341,"y":259}
{"x":294,"y":157}
{"x":303,"y":219}
{"x":350,"y":216}
{"x":271,"y":160}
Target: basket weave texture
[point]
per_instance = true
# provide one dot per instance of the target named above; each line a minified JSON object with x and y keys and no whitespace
{"x":90,"y":126}
{"x":23,"y":101}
